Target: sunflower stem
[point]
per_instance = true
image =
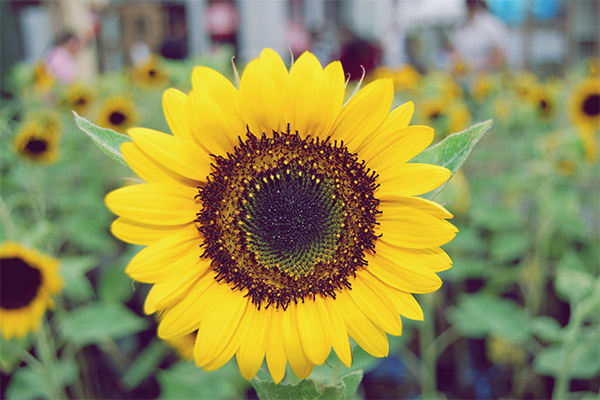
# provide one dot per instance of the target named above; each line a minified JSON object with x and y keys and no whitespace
{"x":48,"y":358}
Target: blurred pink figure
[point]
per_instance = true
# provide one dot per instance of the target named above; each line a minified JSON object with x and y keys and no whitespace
{"x":61,"y":61}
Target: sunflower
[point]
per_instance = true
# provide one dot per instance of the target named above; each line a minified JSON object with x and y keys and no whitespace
{"x":28,"y":280}
{"x":150,"y":74}
{"x":279,"y":221}
{"x":78,"y":97}
{"x":42,"y":80}
{"x":37,"y":142}
{"x":585,"y":103}
{"x":117,"y":113}
{"x":405,"y":77}
{"x":481,"y":87}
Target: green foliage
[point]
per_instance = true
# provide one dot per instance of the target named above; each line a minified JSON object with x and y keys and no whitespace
{"x":145,"y":364}
{"x":98,"y":322}
{"x":345,"y":388}
{"x":37,"y":382}
{"x":453,"y":151}
{"x":477,"y":315}
{"x":184,"y":380}
{"x":109,"y":141}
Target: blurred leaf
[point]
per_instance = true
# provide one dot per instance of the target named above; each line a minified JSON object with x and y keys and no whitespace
{"x":477,"y":315}
{"x":508,"y":246}
{"x":184,"y":380}
{"x":465,"y":268}
{"x":547,"y":329}
{"x":114,"y":284}
{"x":585,"y":357}
{"x":11,"y":351}
{"x":30,"y":383}
{"x":453,"y":151}
{"x":145,"y":364}
{"x":572,"y":282}
{"x":73,"y":269}
{"x":97,"y":322}
{"x":109,"y":141}
{"x":345,"y":388}
{"x":494,"y":217}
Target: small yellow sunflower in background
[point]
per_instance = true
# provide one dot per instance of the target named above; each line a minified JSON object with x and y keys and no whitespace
{"x":543,"y":99}
{"x":279,"y":221}
{"x":117,"y":113}
{"x":585,"y":103}
{"x":78,"y":97}
{"x":480,"y":87}
{"x":28,"y":279}
{"x":405,"y":77}
{"x":459,"y":117}
{"x":150,"y":74}
{"x":42,"y":80}
{"x":443,"y":85}
{"x":523,"y":82}
{"x":36,"y":142}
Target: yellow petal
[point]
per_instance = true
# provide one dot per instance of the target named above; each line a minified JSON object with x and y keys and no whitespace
{"x":139,"y":233}
{"x":415,"y":229}
{"x":176,"y":108}
{"x":276,"y":359}
{"x":339,"y":335}
{"x":316,"y":341}
{"x":252,"y":349}
{"x":406,"y":278}
{"x":240,"y":334}
{"x":376,"y":307}
{"x":299,"y":363}
{"x":185,"y":316}
{"x":411,"y":179}
{"x":155,"y":203}
{"x":165,"y":294}
{"x":407,"y":144}
{"x":404,"y":303}
{"x":396,"y":121}
{"x":262,"y":93}
{"x":397,"y":205}
{"x":150,"y":170}
{"x":178,"y":155}
{"x":215,"y":118}
{"x":364,"y":113}
{"x":433,"y":258}
{"x":309,"y":107}
{"x":225,"y":310}
{"x":172,"y":256}
{"x":367,"y":335}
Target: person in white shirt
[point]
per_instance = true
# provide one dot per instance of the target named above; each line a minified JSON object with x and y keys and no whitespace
{"x":479,"y":44}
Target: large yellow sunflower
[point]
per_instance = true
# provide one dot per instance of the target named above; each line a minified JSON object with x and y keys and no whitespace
{"x":28,"y":280}
{"x":280,"y":221}
{"x":585,"y":103}
{"x":117,"y":113}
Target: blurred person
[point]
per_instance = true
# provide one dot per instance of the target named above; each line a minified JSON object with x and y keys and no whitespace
{"x":479,"y":44}
{"x":222,"y":22}
{"x":61,"y":61}
{"x":174,"y":46}
{"x":357,"y":53}
{"x":297,"y":38}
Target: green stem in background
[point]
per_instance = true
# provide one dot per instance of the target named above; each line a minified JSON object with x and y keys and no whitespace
{"x":6,"y":220}
{"x":47,"y":353}
{"x":576,"y":322}
{"x":427,"y":349}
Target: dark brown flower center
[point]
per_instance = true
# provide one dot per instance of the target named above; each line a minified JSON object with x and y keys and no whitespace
{"x":117,"y":118}
{"x":19,"y":283}
{"x":36,"y":146}
{"x":591,"y":105}
{"x":286,"y":218}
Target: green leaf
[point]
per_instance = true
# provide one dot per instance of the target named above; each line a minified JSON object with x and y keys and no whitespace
{"x":73,"y":269}
{"x":184,"y":380}
{"x":145,"y":364}
{"x":508,"y":246}
{"x":477,"y":315}
{"x":584,"y":359}
{"x":345,"y":388}
{"x":547,"y":329}
{"x":109,"y":141}
{"x":114,"y":285}
{"x":573,"y":282}
{"x":97,"y":322}
{"x":11,"y":351}
{"x":453,"y":151}
{"x":30,"y":383}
